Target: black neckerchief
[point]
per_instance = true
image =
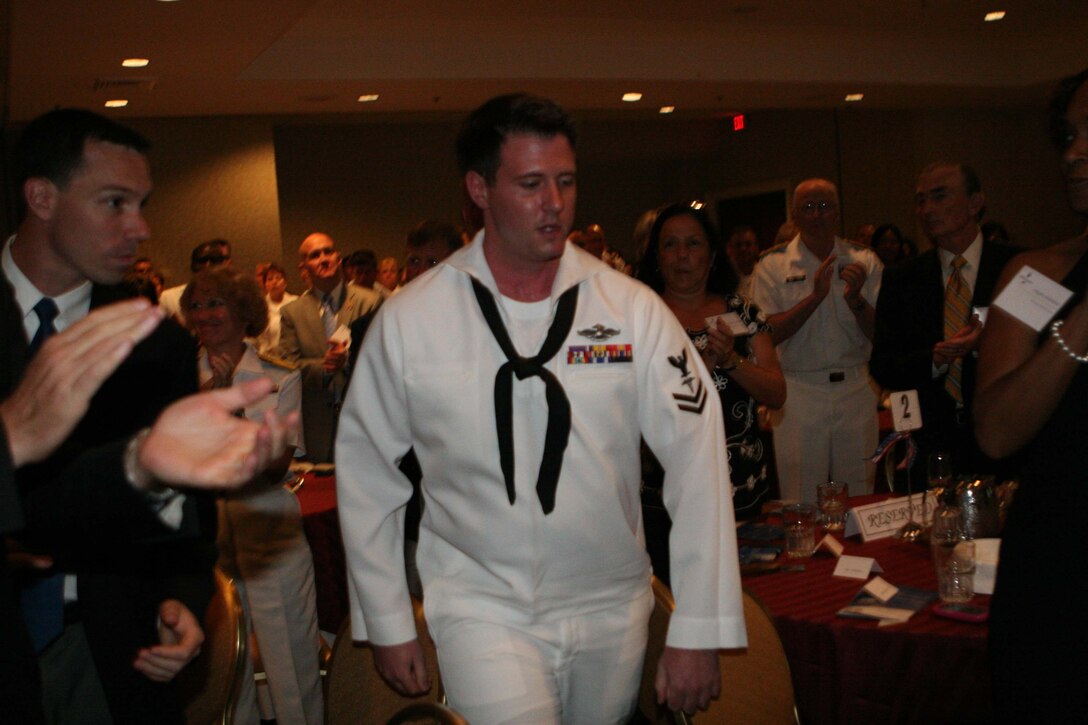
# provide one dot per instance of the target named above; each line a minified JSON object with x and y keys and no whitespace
{"x":558,"y":431}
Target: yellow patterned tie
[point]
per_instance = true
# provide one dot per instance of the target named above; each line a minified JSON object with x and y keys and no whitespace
{"x":957,"y":306}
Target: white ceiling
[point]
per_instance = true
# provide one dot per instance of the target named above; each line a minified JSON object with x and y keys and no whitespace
{"x":222,"y":57}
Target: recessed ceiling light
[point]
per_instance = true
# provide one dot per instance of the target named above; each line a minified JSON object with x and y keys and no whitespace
{"x":135,"y":62}
{"x":994,"y":15}
{"x":116,"y":103}
{"x":632,"y":97}
{"x":851,"y":97}
{"x":667,"y":109}
{"x":368,"y":98}
{"x":697,"y":205}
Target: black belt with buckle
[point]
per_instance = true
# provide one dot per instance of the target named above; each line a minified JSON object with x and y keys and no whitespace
{"x":836,"y":377}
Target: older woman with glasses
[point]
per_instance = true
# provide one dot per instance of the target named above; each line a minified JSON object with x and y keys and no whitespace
{"x":261,"y":541}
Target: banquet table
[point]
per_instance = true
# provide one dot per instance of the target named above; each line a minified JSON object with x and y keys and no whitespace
{"x":927,"y":670}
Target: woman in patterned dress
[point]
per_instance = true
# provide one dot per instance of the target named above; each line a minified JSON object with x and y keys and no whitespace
{"x":685,"y":264}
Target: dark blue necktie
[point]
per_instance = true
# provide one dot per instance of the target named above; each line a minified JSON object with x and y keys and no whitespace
{"x":43,"y":597}
{"x":47,"y":312}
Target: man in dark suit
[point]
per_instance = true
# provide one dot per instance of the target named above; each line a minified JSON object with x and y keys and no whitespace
{"x":187,"y":444}
{"x":314,"y":334}
{"x":136,"y":555}
{"x":927,"y":326}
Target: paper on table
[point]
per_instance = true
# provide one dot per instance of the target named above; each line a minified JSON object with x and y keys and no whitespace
{"x":856,"y":567}
{"x":832,"y":544}
{"x":892,"y":614}
{"x":880,"y":589}
{"x":896,"y":610}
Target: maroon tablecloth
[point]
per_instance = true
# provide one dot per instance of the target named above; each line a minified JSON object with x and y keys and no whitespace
{"x":928,"y":670}
{"x":317,"y":499}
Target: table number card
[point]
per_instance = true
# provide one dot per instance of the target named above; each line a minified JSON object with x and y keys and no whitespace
{"x":882,"y":519}
{"x":906,"y":413}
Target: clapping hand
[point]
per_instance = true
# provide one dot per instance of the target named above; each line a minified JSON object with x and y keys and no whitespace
{"x":854,"y":276}
{"x":66,"y":372}
{"x":198,"y":442}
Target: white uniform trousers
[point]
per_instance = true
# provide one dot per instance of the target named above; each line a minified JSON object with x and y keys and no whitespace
{"x":581,"y":670}
{"x":828,"y":429}
{"x":262,"y":545}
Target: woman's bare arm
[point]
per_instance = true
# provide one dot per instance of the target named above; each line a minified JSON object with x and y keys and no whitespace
{"x":1021,"y":382}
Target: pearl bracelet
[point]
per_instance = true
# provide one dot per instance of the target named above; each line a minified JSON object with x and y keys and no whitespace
{"x":1054,"y":327}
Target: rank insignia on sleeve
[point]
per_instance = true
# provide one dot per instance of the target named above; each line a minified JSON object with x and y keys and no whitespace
{"x":599,"y":333}
{"x":695,"y":400}
{"x":591,"y":354}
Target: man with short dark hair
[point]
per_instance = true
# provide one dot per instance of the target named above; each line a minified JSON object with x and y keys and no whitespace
{"x":743,"y":251}
{"x":361,"y":269}
{"x":314,"y":334}
{"x":531,"y":552}
{"x":113,"y":630}
{"x":429,"y":242}
{"x":927,"y":318}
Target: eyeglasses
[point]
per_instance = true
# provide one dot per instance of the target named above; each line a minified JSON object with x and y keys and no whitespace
{"x":214,"y":303}
{"x":814,"y":207}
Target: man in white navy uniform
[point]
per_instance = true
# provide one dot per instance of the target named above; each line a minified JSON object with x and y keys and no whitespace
{"x":523,"y":372}
{"x":819,"y":292}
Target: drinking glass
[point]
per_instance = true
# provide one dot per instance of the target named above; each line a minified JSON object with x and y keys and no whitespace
{"x":831,"y":498}
{"x":939,"y":469}
{"x":953,"y":557}
{"x":939,"y":478}
{"x":799,"y":524}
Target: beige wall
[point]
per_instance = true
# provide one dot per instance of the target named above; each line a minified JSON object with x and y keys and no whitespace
{"x":264,"y":183}
{"x":214,"y":177}
{"x":364,"y":184}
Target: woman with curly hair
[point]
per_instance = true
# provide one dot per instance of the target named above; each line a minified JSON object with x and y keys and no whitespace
{"x":261,"y":541}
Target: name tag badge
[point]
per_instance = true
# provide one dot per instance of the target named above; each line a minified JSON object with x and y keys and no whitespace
{"x":1032,"y":297}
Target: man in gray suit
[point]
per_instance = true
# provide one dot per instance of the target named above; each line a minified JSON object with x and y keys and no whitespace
{"x":314,"y":334}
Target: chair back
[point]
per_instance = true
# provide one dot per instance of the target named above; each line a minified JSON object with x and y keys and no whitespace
{"x":757,"y":688}
{"x":211,"y":683}
{"x":354,"y":691}
{"x":428,"y":712}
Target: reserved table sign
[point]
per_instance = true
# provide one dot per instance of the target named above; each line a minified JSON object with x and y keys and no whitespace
{"x":882,"y":519}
